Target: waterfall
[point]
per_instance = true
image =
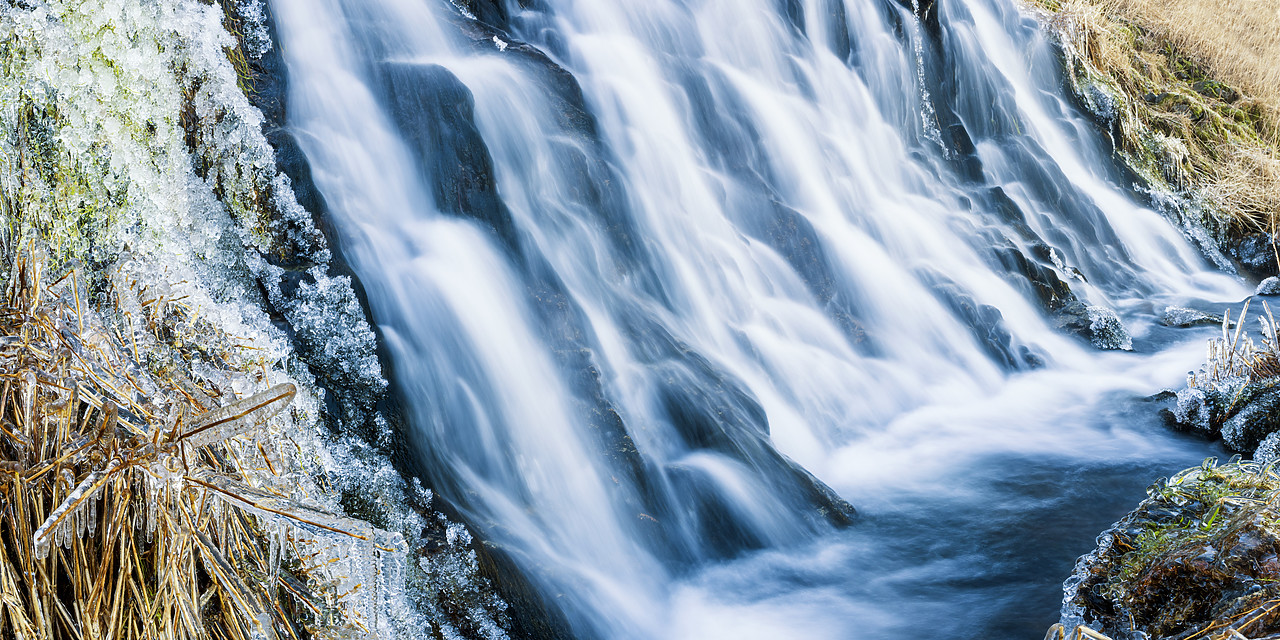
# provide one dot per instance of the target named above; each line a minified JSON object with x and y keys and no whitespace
{"x":719,"y":318}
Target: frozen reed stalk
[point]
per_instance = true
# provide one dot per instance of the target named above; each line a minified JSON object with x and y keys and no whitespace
{"x":242,"y":417}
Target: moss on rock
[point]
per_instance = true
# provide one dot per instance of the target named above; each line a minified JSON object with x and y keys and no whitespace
{"x":1200,"y":557}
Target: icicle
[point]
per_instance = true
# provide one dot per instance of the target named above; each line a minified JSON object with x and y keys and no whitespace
{"x":28,"y":398}
{"x":78,"y":514}
{"x":272,"y":507}
{"x":91,"y":514}
{"x":158,"y":493}
{"x":81,"y":492}
{"x":275,"y":539}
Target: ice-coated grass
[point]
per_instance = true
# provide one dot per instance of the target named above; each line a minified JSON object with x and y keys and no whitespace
{"x":132,"y":135}
{"x":129,"y":151}
{"x":144,"y":503}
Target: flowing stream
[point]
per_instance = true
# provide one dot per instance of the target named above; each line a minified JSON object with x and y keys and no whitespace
{"x":731,"y":318}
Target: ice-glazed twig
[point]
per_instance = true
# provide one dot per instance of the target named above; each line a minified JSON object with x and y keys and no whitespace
{"x":239,"y":417}
{"x":87,"y":487}
{"x":271,"y":507}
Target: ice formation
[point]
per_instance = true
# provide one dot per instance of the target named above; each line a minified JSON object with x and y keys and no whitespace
{"x":131,"y":143}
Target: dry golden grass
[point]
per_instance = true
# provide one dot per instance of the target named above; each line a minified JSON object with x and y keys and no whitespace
{"x":1238,"y":41}
{"x":1199,"y":85}
{"x":126,"y":514}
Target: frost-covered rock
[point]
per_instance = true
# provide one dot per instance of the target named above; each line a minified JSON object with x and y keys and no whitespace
{"x":1184,"y":317}
{"x":1244,"y":413}
{"x":1192,"y":410}
{"x":1268,"y":450}
{"x":1203,"y":408}
{"x":1099,"y":325}
{"x":255,"y":38}
{"x":1257,"y":416}
{"x":1268,"y":287}
{"x":1256,"y":253}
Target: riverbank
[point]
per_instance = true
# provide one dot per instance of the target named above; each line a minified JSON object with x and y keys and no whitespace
{"x":166,"y":277}
{"x":1189,"y":92}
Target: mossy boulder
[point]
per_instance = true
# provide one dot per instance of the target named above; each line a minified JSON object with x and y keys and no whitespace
{"x":1199,"y":557}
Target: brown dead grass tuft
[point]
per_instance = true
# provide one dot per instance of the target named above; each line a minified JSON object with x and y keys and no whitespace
{"x":1237,"y":41}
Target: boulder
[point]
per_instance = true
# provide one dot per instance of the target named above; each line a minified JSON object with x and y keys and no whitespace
{"x":1256,"y":418}
{"x":1244,"y":413}
{"x":1269,"y":450}
{"x":1099,"y":325}
{"x":1199,"y":556}
{"x":1256,"y":254}
{"x":1268,"y":287}
{"x":1194,"y":412}
{"x":1183,"y":317}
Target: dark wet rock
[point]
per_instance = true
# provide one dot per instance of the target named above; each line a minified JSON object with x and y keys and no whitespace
{"x":927,"y":12}
{"x":711,"y":410}
{"x":1256,"y":254}
{"x":1268,"y":287}
{"x":1042,"y":281}
{"x":1258,"y":416}
{"x":436,"y":114}
{"x":1201,"y":554}
{"x":964,"y":153}
{"x":838,"y":39}
{"x":1183,"y":317}
{"x":1099,"y":325}
{"x":491,"y":12}
{"x":984,"y":321}
{"x":794,"y":12}
{"x":268,"y":87}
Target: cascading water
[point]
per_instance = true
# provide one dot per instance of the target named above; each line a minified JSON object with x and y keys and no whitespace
{"x":669,"y":284}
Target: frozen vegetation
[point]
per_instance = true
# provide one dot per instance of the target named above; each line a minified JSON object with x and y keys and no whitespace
{"x":131,"y":154}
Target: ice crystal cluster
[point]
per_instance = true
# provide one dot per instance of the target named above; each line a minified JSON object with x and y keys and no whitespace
{"x":131,"y":134}
{"x":129,"y":150}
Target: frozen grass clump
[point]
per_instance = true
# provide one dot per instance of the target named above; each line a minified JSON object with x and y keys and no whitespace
{"x":137,"y":501}
{"x":1236,"y":393}
{"x":1234,"y":356}
{"x":1196,"y":559}
{"x":129,"y":150}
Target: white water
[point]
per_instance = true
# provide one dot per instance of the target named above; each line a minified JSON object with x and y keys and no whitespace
{"x":665,"y":287}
